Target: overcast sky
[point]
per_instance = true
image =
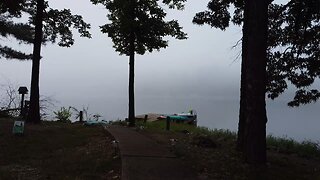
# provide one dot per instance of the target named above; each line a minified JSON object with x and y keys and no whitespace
{"x":200,"y":72}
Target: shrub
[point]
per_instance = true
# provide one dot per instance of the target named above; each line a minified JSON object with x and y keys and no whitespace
{"x":63,"y":114}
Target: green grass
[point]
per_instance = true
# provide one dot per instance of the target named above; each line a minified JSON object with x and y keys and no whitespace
{"x":178,"y":127}
{"x":55,"y":150}
{"x":307,"y":149}
{"x":287,"y":159}
{"x":281,"y":144}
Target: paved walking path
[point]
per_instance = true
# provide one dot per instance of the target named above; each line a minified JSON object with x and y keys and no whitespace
{"x":144,"y":159}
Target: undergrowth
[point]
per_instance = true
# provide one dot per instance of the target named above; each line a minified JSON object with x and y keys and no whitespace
{"x":284,"y":145}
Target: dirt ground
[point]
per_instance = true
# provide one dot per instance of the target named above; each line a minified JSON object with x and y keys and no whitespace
{"x":53,"y":150}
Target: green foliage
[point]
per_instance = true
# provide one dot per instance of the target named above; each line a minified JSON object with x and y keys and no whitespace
{"x":57,"y":24}
{"x":218,"y":14}
{"x":144,"y":19}
{"x":20,"y":31}
{"x":226,"y":160}
{"x":294,"y":50}
{"x":285,"y":145}
{"x":23,"y":32}
{"x":179,"y":127}
{"x":10,"y":53}
{"x":178,"y":4}
{"x":293,"y":43}
{"x":12,"y":7}
{"x":63,"y":114}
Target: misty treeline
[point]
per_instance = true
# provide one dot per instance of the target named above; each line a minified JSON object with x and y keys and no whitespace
{"x":280,"y":46}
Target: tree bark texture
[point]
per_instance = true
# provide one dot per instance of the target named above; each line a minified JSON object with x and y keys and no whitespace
{"x":253,"y":129}
{"x":34,"y":110}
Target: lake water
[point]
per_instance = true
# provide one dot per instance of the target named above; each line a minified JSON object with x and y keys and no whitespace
{"x":301,"y":123}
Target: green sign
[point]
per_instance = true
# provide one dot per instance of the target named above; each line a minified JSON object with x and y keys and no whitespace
{"x":18,"y":127}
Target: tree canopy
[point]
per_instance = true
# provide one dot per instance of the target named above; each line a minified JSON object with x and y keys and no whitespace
{"x":294,"y":49}
{"x":293,"y":43}
{"x":12,"y":7}
{"x":145,"y":18}
{"x":57,"y":25}
{"x":20,"y":31}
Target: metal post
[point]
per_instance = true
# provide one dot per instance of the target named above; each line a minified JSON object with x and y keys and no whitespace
{"x":22,"y":108}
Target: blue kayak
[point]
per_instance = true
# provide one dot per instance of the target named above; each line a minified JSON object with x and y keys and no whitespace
{"x":94,"y":122}
{"x":181,"y":118}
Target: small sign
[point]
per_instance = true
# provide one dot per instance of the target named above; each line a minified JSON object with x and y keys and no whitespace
{"x":18,"y":127}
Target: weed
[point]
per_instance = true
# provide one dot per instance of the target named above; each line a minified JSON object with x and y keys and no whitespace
{"x":63,"y":114}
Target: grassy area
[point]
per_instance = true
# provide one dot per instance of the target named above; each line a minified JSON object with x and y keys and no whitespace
{"x":306,"y":149}
{"x":212,"y":153}
{"x":55,"y":150}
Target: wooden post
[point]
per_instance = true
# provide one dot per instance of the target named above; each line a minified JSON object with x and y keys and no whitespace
{"x":145,"y":118}
{"x":81,"y":116}
{"x":22,"y":108}
{"x":168,"y":124}
{"x":26,"y":108}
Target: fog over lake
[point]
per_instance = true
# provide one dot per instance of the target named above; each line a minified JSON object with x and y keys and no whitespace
{"x":201,"y":72}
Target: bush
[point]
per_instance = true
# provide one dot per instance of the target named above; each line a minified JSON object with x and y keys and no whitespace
{"x":63,"y":114}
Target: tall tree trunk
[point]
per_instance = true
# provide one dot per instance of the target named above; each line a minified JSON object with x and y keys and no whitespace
{"x":242,"y":112}
{"x":131,"y":82}
{"x":34,"y":110}
{"x":254,"y":136}
{"x":132,"y":117}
